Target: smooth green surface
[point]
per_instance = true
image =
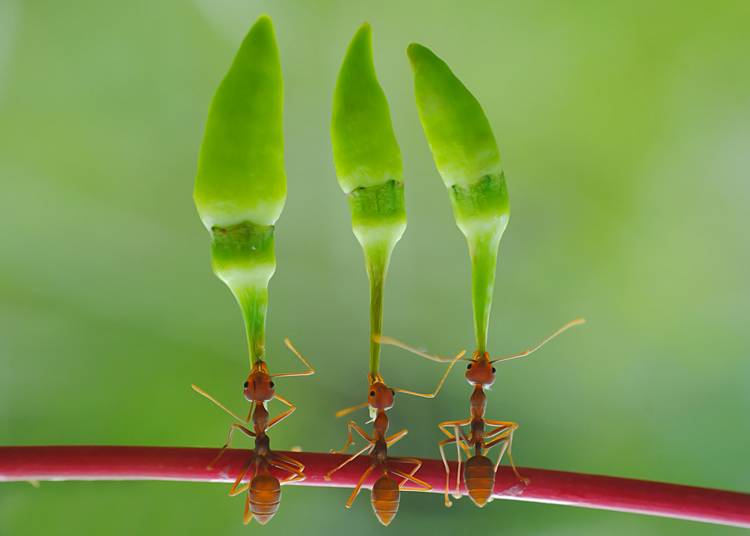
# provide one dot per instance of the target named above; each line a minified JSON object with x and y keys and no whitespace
{"x":365,"y":150}
{"x":369,"y":170}
{"x":240,"y":189}
{"x":623,"y":129}
{"x":457,"y":129}
{"x":241,"y":165}
{"x":466,"y":155}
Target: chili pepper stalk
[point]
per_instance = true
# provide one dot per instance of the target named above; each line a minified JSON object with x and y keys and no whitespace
{"x":240,"y":188}
{"x":467,"y":158}
{"x":369,"y":170}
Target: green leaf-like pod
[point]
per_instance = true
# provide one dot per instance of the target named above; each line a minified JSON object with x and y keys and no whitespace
{"x":240,"y":188}
{"x":467,"y":158}
{"x":369,"y":169}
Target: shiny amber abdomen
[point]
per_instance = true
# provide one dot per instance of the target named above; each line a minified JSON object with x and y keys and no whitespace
{"x":385,"y":498}
{"x":479,"y":475}
{"x":265,"y":496}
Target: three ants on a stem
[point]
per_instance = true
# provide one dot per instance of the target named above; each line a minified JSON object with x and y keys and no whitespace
{"x":264,"y":488}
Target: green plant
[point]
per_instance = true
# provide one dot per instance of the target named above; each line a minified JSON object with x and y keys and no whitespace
{"x":369,"y":170}
{"x":467,"y":158}
{"x":240,"y":189}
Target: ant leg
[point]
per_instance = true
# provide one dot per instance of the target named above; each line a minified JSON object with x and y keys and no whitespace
{"x":219,"y":404}
{"x":395,"y":438}
{"x":236,"y":489}
{"x":424,"y":486}
{"x":350,"y":440}
{"x":359,"y":486}
{"x":276,"y":420}
{"x":232,"y":429}
{"x":295,"y":475}
{"x":440,"y":383}
{"x":310,"y":371}
{"x":507,"y":438}
{"x":459,"y":442}
{"x":248,"y":515}
{"x":291,"y":461}
{"x":351,"y":458}
{"x":441,"y":444}
{"x":510,"y":427}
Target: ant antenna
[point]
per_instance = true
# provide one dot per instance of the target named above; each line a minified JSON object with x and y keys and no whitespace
{"x":533,"y":349}
{"x":440,"y":385}
{"x":414,"y":350}
{"x":222,"y":406}
{"x":297,"y":353}
{"x":347,"y":411}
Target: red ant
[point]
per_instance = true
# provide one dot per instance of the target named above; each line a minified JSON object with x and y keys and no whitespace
{"x":264,"y":489}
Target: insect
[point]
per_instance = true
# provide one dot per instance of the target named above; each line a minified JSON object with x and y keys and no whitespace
{"x":387,"y":488}
{"x":479,"y":472}
{"x":264,"y":489}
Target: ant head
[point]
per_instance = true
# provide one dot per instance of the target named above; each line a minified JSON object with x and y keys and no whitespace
{"x":259,"y":387}
{"x":380,"y":396}
{"x":480,"y":371}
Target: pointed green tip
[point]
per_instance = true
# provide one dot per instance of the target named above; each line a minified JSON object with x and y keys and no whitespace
{"x":241,"y":165}
{"x":456,"y":127}
{"x":417,"y":52}
{"x":365,"y":150}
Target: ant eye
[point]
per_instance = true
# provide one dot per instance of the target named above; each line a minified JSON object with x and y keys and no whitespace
{"x":468,"y":366}
{"x":493,"y":370}
{"x":372,"y":393}
{"x":245,"y":385}
{"x":271,"y":385}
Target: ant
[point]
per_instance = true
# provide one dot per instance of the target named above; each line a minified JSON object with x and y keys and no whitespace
{"x":386,"y":490}
{"x":264,"y":490}
{"x":479,"y":473}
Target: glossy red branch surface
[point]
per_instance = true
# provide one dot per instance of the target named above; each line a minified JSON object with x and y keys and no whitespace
{"x":556,"y":487}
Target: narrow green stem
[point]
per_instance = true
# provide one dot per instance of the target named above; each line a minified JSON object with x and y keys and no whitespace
{"x":377,"y":259}
{"x":254,"y":304}
{"x":483,"y":252}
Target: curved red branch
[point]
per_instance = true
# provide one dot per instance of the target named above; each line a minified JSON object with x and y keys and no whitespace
{"x":557,"y":487}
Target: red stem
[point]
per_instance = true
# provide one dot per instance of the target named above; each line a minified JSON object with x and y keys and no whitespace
{"x":556,"y":487}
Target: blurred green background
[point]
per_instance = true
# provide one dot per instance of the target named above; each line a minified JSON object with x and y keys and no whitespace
{"x":624,"y":131}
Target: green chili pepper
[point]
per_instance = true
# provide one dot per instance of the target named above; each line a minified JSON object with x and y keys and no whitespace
{"x":468,"y":160}
{"x":369,"y":169}
{"x":240,"y":188}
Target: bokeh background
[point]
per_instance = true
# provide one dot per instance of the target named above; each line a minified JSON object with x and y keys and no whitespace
{"x":624,"y":131}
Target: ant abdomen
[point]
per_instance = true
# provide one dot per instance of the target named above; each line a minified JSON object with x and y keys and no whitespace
{"x":479,"y":476}
{"x":265,"y":496}
{"x":385,"y":498}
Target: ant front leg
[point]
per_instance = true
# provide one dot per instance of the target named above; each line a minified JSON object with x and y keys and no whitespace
{"x":351,"y":425}
{"x":276,"y":420}
{"x":395,"y":438}
{"x":234,"y":427}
